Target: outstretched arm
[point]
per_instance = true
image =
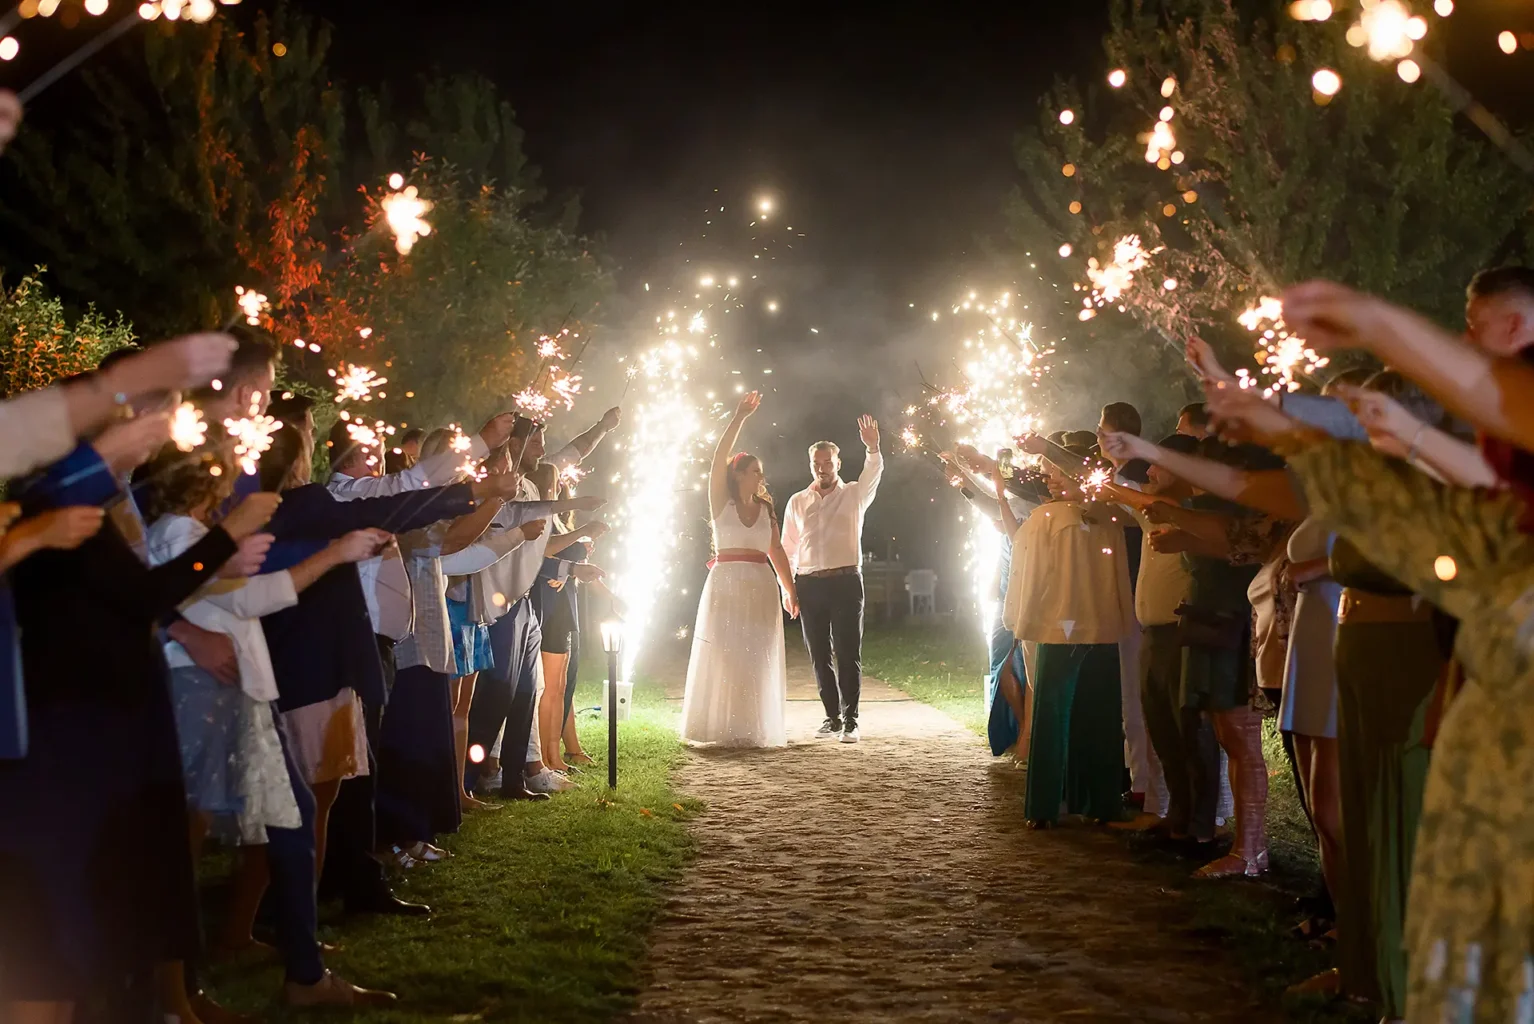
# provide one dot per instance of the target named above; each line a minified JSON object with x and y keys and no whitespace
{"x":718,"y":474}
{"x":873,"y":461}
{"x":586,"y":443}
{"x":1267,"y":491}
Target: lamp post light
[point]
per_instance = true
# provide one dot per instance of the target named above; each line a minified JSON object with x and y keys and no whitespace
{"x":612,"y":643}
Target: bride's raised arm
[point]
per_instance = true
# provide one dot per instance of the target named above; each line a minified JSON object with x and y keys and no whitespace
{"x":718,"y":474}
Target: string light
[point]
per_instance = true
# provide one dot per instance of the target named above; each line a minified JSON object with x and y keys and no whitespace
{"x":1117,"y":77}
{"x":1507,"y":42}
{"x":1408,"y":70}
{"x":1326,"y":82}
{"x":1067,"y":116}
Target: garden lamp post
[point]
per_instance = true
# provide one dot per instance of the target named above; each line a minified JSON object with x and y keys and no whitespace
{"x":612,"y":643}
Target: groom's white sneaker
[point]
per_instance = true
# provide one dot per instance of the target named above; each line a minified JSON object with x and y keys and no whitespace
{"x":850,"y":734}
{"x":831,"y":729}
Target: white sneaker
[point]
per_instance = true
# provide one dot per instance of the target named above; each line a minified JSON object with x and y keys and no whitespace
{"x":489,"y":784}
{"x":549,"y":782}
{"x":850,"y":734}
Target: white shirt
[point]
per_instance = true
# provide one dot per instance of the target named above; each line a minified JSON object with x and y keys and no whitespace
{"x":825,"y":531}
{"x":513,"y":576}
{"x":231,"y":607}
{"x":1070,"y":577}
{"x":385,"y":582}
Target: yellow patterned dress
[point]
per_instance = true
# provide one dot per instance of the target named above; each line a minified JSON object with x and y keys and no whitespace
{"x":1470,"y":914}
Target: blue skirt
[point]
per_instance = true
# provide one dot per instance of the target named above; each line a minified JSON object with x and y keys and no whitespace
{"x":208,"y":726}
{"x":471,"y":640}
{"x":1002,"y":726}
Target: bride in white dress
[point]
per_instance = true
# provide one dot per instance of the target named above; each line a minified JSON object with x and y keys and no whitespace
{"x":737,"y":683}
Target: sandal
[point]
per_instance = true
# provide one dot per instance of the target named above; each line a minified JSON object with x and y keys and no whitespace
{"x":580,"y":757}
{"x":1233,"y":865}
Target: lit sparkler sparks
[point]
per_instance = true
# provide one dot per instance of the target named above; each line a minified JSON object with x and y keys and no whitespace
{"x":187,"y":429}
{"x":1112,"y":280}
{"x":405,"y":213}
{"x":548,"y":348}
{"x":532,"y":403}
{"x":565,"y":387}
{"x":1284,"y":354}
{"x":252,"y":304}
{"x":252,"y":438}
{"x":356,"y":383}
{"x":1092,"y":486}
{"x":572,"y":474}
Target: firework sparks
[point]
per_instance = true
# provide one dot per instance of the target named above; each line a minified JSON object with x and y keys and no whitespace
{"x":572,"y":475}
{"x":1092,"y":486}
{"x":548,"y":348}
{"x":565,"y":387}
{"x":405,"y":213}
{"x":667,"y":422}
{"x":356,"y":383}
{"x":187,"y":429}
{"x":1283,"y":354}
{"x":252,"y":304}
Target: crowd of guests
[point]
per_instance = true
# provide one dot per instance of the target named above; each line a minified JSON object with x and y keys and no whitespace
{"x":1353,"y":560}
{"x":326,"y":676}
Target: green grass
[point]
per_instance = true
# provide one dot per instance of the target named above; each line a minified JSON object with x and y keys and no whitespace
{"x":942,"y":666}
{"x":543,"y":911}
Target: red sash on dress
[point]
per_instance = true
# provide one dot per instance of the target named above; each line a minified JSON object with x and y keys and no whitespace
{"x":749,"y":556}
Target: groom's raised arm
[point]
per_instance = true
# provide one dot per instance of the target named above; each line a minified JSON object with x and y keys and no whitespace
{"x":873,"y":461}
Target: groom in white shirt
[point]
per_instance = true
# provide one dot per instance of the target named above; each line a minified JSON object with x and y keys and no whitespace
{"x":823,"y":536}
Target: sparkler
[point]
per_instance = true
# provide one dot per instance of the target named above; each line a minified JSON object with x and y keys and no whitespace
{"x":1110,"y":281}
{"x":356,"y":383}
{"x":252,"y":438}
{"x":405,"y":213}
{"x":548,"y":348}
{"x":252,"y":305}
{"x":187,"y":429}
{"x":532,"y":403}
{"x":565,"y":387}
{"x":1283,"y":354}
{"x":1092,"y":486}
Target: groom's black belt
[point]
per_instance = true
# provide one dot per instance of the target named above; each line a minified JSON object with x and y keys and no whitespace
{"x":845,"y":570}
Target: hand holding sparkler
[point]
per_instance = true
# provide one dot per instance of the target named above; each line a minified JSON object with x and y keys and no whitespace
{"x":186,"y":362}
{"x":594,"y":530}
{"x":1034,"y":444}
{"x":586,"y":572}
{"x":1242,"y":414}
{"x":128,"y":443}
{"x":360,"y":544}
{"x":497,"y":429}
{"x":1331,"y":316}
{"x":1392,"y":429}
{"x":246,"y":561}
{"x":62,"y":529}
{"x":496,"y":485}
{"x":252,"y":513}
{"x":584,"y":503}
{"x":1205,"y":365}
{"x":611,"y":418}
{"x":533,"y":530}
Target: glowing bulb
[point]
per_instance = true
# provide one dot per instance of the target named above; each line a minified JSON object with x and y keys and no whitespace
{"x":1075,"y":206}
{"x":1326,"y":82}
{"x":1416,"y":28}
{"x":1065,"y":250}
{"x":1117,"y":77}
{"x":1443,"y":8}
{"x":1067,"y":116}
{"x":1507,"y":42}
{"x":1166,"y":113}
{"x":95,"y":6}
{"x":477,"y":752}
{"x":1069,"y":170}
{"x":279,"y":49}
{"x":9,"y":47}
{"x":1170,"y":284}
{"x":396,"y":181}
{"x":1190,"y":196}
{"x":772,"y":307}
{"x":1444,"y":568}
{"x":1168,"y":86}
{"x":1408,"y":70}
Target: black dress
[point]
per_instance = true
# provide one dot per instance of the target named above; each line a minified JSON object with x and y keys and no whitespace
{"x":96,"y":879}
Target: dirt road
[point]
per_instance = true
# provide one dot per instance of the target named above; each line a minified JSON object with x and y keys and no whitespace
{"x":894,"y":880}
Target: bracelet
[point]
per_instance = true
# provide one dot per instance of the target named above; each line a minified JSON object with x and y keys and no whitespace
{"x":1411,"y":449}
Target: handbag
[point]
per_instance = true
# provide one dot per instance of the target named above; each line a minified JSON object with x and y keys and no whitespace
{"x":1199,"y":627}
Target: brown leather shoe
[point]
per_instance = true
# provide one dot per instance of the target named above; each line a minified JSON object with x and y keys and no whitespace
{"x":332,"y":991}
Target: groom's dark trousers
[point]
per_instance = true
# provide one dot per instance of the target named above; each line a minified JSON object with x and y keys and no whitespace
{"x":831,"y":612}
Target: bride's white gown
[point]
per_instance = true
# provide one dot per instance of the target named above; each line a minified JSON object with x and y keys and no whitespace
{"x":737,"y":683}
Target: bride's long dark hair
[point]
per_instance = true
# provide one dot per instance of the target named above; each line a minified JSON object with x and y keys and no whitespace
{"x":732,"y":484}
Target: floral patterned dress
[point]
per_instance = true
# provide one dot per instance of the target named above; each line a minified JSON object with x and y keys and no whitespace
{"x":1470,"y":915}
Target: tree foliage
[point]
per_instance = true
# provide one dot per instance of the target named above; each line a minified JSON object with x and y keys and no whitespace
{"x":39,"y":344}
{"x":210,"y":162}
{"x":1380,"y":188}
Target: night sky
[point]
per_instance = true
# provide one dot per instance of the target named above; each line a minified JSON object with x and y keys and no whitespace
{"x":884,"y":135}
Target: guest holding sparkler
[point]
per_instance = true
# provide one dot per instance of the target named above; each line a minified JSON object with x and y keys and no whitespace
{"x":1069,"y":594}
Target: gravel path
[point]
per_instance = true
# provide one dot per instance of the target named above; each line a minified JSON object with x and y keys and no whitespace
{"x":894,"y":880}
